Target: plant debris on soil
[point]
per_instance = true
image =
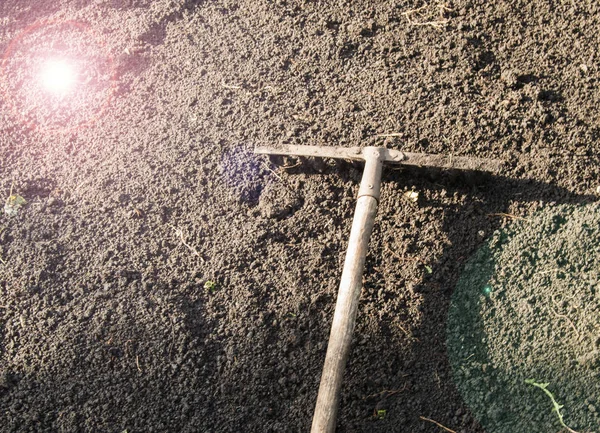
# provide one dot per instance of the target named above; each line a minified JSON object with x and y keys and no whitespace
{"x":527,"y":307}
{"x":163,"y":278}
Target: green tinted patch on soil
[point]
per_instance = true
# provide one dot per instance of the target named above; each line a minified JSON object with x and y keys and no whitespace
{"x":527,"y":307}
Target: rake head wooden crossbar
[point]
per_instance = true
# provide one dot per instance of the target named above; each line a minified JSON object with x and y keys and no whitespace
{"x":344,"y":318}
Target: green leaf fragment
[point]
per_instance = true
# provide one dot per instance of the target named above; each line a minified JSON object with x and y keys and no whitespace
{"x":556,"y":407}
{"x":211,"y":286}
{"x":13,"y":204}
{"x":16,"y":200}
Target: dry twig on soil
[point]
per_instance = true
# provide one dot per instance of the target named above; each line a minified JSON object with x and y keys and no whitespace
{"x":179,"y":233}
{"x":569,"y":321}
{"x":272,"y":171}
{"x":385,"y":393}
{"x":408,"y":334}
{"x":438,"y":24}
{"x":10,"y":193}
{"x":508,"y":215}
{"x":391,"y":134}
{"x":229,"y":86}
{"x":288,"y":167}
{"x":438,"y":424}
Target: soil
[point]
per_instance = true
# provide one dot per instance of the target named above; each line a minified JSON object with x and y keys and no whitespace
{"x":162,"y":278}
{"x":526,"y":308}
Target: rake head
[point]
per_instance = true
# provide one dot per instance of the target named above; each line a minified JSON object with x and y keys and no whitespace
{"x":389,"y":157}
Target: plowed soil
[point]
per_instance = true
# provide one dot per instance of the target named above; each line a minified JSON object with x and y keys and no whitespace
{"x":163,"y":278}
{"x":525,"y":311}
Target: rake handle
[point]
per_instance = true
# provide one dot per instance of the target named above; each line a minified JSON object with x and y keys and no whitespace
{"x":344,"y":318}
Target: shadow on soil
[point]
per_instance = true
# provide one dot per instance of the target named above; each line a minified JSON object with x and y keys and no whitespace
{"x":415,"y":376}
{"x":488,"y":197}
{"x":423,"y":375}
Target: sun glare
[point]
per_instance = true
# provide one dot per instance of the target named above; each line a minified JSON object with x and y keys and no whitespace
{"x":58,"y":76}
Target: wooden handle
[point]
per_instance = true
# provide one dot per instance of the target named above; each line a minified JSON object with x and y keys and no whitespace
{"x":344,"y":318}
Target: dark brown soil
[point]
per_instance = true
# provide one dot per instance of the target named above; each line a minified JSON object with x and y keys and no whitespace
{"x":141,"y":187}
{"x":526,"y":308}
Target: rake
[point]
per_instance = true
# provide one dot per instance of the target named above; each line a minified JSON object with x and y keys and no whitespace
{"x":344,"y":318}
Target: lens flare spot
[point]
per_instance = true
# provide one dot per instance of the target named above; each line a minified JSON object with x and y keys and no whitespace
{"x":487,"y":290}
{"x":58,"y":76}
